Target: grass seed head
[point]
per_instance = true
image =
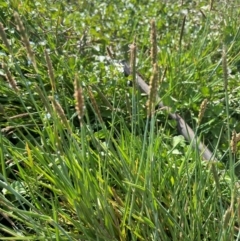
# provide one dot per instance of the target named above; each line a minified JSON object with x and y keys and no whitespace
{"x":25,"y":39}
{"x":202,"y":110}
{"x":234,"y":141}
{"x":9,"y":78}
{"x":238,"y":137}
{"x":153,"y":38}
{"x":50,"y":70}
{"x":4,"y":37}
{"x":60,"y":112}
{"x":78,"y":96}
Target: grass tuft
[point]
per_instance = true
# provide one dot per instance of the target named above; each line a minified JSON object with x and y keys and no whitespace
{"x":123,"y":174}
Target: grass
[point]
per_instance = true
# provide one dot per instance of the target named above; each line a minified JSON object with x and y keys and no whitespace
{"x":80,"y":158}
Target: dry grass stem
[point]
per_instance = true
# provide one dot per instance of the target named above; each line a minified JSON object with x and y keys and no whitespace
{"x":78,"y":96}
{"x":153,"y":38}
{"x":60,"y":112}
{"x":153,"y":91}
{"x":4,"y":37}
{"x":9,"y":78}
{"x":19,"y":116}
{"x":95,"y":106}
{"x":202,"y":110}
{"x":25,"y":39}
{"x":50,"y":71}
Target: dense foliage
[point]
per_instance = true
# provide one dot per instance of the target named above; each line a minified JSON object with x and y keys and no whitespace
{"x":117,"y":174}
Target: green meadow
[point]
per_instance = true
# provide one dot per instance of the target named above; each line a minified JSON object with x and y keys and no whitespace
{"x":84,"y":155}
